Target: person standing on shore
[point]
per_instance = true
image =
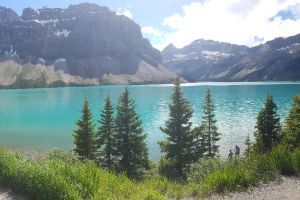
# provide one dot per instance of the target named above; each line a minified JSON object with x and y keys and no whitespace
{"x":230,"y":155}
{"x":237,"y":150}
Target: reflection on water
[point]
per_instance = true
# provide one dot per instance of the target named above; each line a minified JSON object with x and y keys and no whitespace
{"x":42,"y":119}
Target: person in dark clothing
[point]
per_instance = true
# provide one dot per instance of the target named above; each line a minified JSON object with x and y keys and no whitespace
{"x":230,"y":155}
{"x":237,"y":150}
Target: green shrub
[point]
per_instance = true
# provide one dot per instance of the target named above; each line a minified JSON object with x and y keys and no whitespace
{"x":296,"y":160}
{"x":282,"y":158}
{"x":166,"y":168}
{"x":239,"y":174}
{"x":227,"y":180}
{"x":261,"y":168}
{"x":201,"y":169}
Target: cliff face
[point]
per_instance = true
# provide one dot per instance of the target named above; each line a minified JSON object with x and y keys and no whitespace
{"x":207,"y":60}
{"x":83,"y":40}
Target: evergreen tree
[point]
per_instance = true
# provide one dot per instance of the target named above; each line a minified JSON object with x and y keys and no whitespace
{"x":178,"y":147}
{"x":291,"y":131}
{"x":130,"y":139}
{"x":209,"y":127}
{"x":199,"y":143}
{"x":83,"y":136}
{"x":268,"y":128}
{"x":248,"y":145}
{"x":105,"y":142}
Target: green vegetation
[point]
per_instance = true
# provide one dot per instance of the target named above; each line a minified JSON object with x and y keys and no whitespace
{"x":22,"y":83}
{"x":84,"y":136}
{"x":291,"y":132}
{"x":131,"y":147}
{"x":113,"y":163}
{"x":105,"y":142}
{"x":178,"y":148}
{"x":62,"y":176}
{"x":208,"y":130}
{"x":119,"y":145}
{"x":58,"y":83}
{"x":241,"y":173}
{"x":268,"y":128}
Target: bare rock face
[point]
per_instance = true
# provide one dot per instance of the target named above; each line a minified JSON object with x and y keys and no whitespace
{"x":29,"y":14}
{"x":86,"y":40}
{"x":7,"y":15}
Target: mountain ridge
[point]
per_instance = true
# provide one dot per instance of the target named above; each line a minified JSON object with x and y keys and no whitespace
{"x":208,"y":60}
{"x":85,"y":40}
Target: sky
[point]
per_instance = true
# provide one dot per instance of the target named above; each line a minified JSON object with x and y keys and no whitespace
{"x":244,"y":22}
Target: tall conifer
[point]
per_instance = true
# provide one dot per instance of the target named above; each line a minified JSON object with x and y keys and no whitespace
{"x":178,"y":147}
{"x":105,"y":142}
{"x":291,"y":131}
{"x":208,"y":125}
{"x":130,"y":139}
{"x":83,"y":136}
{"x":268,"y":128}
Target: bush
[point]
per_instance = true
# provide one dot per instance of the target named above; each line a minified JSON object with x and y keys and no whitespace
{"x":205,"y":166}
{"x":296,"y":160}
{"x":261,"y":168}
{"x":227,"y":180}
{"x":282,"y":158}
{"x":166,"y":168}
{"x":240,"y":174}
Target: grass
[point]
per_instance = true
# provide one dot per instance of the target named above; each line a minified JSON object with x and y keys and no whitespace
{"x":61,"y":176}
{"x":243,"y":173}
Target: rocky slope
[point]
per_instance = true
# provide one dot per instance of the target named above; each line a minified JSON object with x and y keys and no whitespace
{"x":85,"y":40}
{"x":207,"y":60}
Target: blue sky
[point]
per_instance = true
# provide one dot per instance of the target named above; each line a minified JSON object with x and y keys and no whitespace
{"x":144,"y":12}
{"x":247,"y":22}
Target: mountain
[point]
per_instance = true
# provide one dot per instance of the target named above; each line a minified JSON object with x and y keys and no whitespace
{"x":207,"y":60}
{"x":84,"y":42}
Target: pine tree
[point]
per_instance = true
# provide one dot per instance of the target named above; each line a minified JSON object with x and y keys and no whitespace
{"x":210,"y":130}
{"x":268,"y":128}
{"x":83,"y":136}
{"x":105,"y":142}
{"x":199,"y":143}
{"x":179,"y":144}
{"x":130,"y":138}
{"x":248,"y":145}
{"x":291,"y":131}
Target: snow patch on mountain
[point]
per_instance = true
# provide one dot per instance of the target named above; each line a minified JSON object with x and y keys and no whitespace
{"x":64,"y":33}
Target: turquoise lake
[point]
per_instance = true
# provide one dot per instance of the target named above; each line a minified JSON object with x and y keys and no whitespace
{"x":42,"y":119}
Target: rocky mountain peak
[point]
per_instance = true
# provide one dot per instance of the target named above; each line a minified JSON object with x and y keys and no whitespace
{"x":86,"y":40}
{"x":207,"y":60}
{"x":29,"y":14}
{"x":7,"y":15}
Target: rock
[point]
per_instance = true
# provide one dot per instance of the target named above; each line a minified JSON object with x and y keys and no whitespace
{"x":7,"y":15}
{"x":92,"y":41}
{"x":29,"y":14}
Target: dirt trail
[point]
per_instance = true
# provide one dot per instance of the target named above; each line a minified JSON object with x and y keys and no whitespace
{"x":286,"y":189}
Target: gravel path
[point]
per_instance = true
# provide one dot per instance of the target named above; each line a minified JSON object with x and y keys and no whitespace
{"x":286,"y":189}
{"x":6,"y":194}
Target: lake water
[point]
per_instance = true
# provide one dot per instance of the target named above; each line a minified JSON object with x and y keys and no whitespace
{"x":43,"y":119}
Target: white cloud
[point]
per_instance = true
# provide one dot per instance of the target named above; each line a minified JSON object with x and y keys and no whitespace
{"x":124,"y":11}
{"x":152,"y":31}
{"x":234,"y":21}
